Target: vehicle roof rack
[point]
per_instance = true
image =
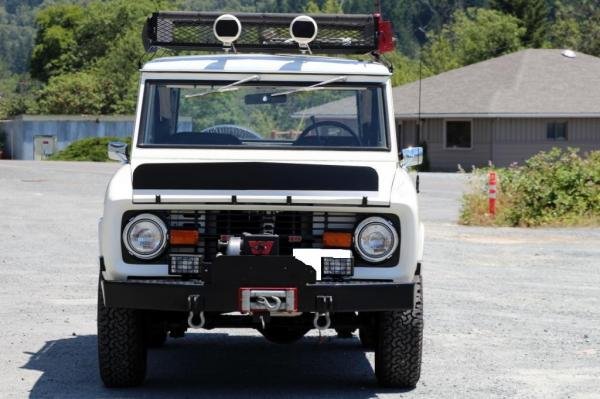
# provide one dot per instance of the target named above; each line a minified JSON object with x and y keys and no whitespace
{"x":268,"y":32}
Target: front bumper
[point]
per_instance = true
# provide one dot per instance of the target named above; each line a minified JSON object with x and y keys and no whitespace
{"x":219,"y":288}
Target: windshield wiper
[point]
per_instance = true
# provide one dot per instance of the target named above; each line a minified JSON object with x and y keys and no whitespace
{"x":316,"y":86}
{"x":229,"y":87}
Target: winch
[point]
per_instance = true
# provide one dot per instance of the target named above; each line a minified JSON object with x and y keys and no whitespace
{"x":268,"y":299}
{"x":249,"y":244}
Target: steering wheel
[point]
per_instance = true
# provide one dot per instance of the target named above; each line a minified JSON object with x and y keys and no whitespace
{"x":242,"y":133}
{"x":317,"y":125}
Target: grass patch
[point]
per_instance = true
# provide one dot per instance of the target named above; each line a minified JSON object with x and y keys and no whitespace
{"x":92,"y":149}
{"x":554,"y":188}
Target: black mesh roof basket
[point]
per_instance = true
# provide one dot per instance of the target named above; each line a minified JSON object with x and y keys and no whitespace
{"x":338,"y":34}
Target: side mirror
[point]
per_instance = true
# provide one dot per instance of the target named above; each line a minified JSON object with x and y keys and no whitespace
{"x":412,"y":156}
{"x":117,"y":151}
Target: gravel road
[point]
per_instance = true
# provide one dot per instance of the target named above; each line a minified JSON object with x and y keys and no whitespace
{"x":508,"y":312}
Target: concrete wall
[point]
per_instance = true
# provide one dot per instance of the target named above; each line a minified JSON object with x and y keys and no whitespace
{"x":20,"y":132}
{"x":501,"y":141}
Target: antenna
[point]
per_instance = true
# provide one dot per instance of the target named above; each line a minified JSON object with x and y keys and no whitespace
{"x":417,"y":179}
{"x":420,"y":89}
{"x":378,"y":6}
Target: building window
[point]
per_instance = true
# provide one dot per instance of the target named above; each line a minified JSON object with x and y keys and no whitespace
{"x":556,"y":131}
{"x":458,"y":135}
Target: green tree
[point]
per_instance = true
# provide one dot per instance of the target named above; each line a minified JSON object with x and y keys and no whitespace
{"x":577,"y":26}
{"x":84,"y":47}
{"x":118,"y":70}
{"x":16,"y":36}
{"x":312,"y":7}
{"x":56,"y":44}
{"x":16,"y":92}
{"x":566,"y":32}
{"x":441,"y":54}
{"x":533,"y":13}
{"x":412,"y":19}
{"x":357,"y":6}
{"x":406,"y":70}
{"x":332,"y":7}
{"x":474,"y":35}
{"x":76,"y":93}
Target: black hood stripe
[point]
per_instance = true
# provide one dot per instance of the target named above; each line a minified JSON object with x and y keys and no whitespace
{"x":254,"y":176}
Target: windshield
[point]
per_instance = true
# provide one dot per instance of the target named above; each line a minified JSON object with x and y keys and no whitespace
{"x":249,"y":114}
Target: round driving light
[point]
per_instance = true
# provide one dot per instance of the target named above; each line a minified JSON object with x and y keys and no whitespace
{"x":145,"y":236}
{"x":227,"y":29}
{"x":303,"y":30}
{"x":375,"y":239}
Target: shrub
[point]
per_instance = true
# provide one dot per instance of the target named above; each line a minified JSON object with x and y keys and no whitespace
{"x":558,"y":187}
{"x":77,"y":93}
{"x":91,"y":149}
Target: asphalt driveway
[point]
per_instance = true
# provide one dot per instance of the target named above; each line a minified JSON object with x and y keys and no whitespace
{"x":508,"y":312}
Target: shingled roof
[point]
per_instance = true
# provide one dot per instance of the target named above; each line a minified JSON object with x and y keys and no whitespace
{"x":528,"y":83}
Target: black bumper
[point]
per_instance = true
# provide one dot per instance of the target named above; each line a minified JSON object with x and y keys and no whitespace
{"x":219,"y":290}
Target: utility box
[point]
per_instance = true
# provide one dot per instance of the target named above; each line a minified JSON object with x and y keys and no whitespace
{"x":43,"y":147}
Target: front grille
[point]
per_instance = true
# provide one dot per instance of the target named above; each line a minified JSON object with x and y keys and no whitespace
{"x":288,"y":225}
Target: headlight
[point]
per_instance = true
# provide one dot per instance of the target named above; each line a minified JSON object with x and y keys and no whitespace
{"x":375,"y":239}
{"x":145,"y":236}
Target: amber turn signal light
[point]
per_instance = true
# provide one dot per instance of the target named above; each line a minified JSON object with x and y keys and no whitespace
{"x":183,"y":237}
{"x":337,"y":239}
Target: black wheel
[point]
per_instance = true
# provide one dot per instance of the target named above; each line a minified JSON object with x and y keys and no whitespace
{"x":121,"y":346}
{"x":344,"y":332}
{"x":399,"y":346}
{"x":368,"y":337}
{"x":283,"y":334}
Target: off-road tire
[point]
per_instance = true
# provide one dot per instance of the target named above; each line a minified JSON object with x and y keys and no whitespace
{"x":368,"y":337}
{"x":399,"y":347}
{"x":283,"y":334}
{"x":121,"y":346}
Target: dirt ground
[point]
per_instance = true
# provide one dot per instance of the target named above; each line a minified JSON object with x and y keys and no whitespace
{"x":508,"y":312}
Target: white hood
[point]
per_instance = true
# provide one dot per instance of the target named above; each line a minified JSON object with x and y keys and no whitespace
{"x":183,"y":180}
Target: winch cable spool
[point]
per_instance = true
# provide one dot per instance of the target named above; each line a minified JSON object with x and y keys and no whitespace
{"x":276,"y":305}
{"x":303,"y":30}
{"x":227,"y":29}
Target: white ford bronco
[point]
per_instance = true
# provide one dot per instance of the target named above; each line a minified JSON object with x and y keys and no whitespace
{"x":262,"y":191}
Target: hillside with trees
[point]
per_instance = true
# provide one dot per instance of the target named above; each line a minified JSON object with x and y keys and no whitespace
{"x":82,"y":57}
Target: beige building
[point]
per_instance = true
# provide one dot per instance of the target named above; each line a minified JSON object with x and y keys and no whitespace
{"x":503,"y":110}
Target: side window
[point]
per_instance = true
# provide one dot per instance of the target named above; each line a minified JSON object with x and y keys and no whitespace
{"x":458,"y":135}
{"x":556,"y":131}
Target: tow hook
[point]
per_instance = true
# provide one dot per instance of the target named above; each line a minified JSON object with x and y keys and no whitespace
{"x":196,"y":317}
{"x":322,"y":321}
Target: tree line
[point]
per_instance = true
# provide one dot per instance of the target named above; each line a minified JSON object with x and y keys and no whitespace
{"x":82,"y":57}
